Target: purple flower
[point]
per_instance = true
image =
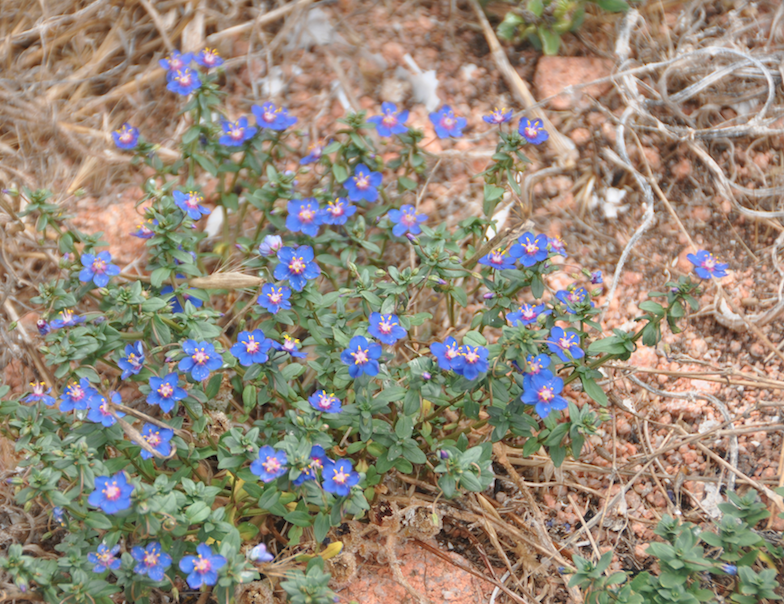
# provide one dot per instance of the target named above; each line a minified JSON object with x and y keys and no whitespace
{"x":99,"y":410}
{"x":236,"y":133}
{"x":532,"y":131}
{"x":445,"y":353}
{"x":164,"y":392}
{"x":596,"y":278}
{"x":43,"y":327}
{"x":706,"y":266}
{"x":111,"y":494}
{"x":339,"y":477}
{"x":530,"y":249}
{"x":447,"y":124}
{"x":98,"y":269}
{"x":557,"y":246}
{"x":391,"y":122}
{"x":498,"y":116}
{"x":426,"y":375}
{"x":290,"y":345}
{"x":315,"y":150}
{"x":200,"y":360}
{"x":471,"y":362}
{"x":406,"y":219}
{"x":260,"y":554}
{"x":571,"y":297}
{"x":269,"y":116}
{"x":105,"y":558}
{"x":158,"y":438}
{"x":126,"y":136}
{"x":498,"y":260}
{"x":39,"y":393}
{"x":304,"y":216}
{"x":386,"y":328}
{"x":133,"y":361}
{"x":561,"y":342}
{"x":251,"y":347}
{"x":270,"y":245}
{"x":152,"y":561}
{"x":176,"y":61}
{"x":202,"y":569}
{"x":361,"y":357}
{"x":297,"y":265}
{"x":326,"y":403}
{"x":274,"y":298}
{"x":183,"y":81}
{"x":270,"y":465}
{"x":209,"y":58}
{"x":364,"y":184}
{"x":527,"y":314}
{"x":77,"y":396}
{"x":143,"y":230}
{"x":337,"y":212}
{"x":190,"y":203}
{"x":544,"y":394}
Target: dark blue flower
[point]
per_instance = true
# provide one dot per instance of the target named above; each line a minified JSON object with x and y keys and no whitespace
{"x":174,"y":303}
{"x":730,"y":569}
{"x":471,"y":362}
{"x":183,"y":81}
{"x":324,"y":402}
{"x":527,"y":314}
{"x":445,"y":353}
{"x":289,"y":345}
{"x":270,"y":464}
{"x":190,"y":203}
{"x":406,"y":219}
{"x":202,"y":569}
{"x":318,"y":458}
{"x":236,"y":133}
{"x":39,"y":393}
{"x":274,"y":298}
{"x":596,"y":278}
{"x":339,"y":476}
{"x":77,"y":395}
{"x":361,"y":357}
{"x":498,"y":260}
{"x":260,"y":554}
{"x":561,"y":342}
{"x":152,"y":561}
{"x":58,"y":515}
{"x":269,"y":116}
{"x":386,"y":328}
{"x":364,"y":184}
{"x":447,"y":124}
{"x":544,"y":394}
{"x":251,"y":347}
{"x":498,"y":116}
{"x":143,"y":230}
{"x":532,"y":131}
{"x":530,"y":249}
{"x":111,"y":494}
{"x":571,"y":297}
{"x":536,"y":365}
{"x":209,"y":58}
{"x":126,"y":136}
{"x":158,"y":438}
{"x":297,"y":265}
{"x":164,"y":392}
{"x":105,"y":558}
{"x":304,"y":216}
{"x":706,"y":266}
{"x":176,"y":61}
{"x":270,"y":245}
{"x":337,"y":212}
{"x":133,"y":361}
{"x":200,"y":360}
{"x":43,"y":327}
{"x":391,"y":122}
{"x":315,"y":150}
{"x":557,"y":246}
{"x":98,"y":269}
{"x":99,"y":410}
{"x":66,"y":319}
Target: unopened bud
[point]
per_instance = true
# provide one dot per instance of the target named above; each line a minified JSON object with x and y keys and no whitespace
{"x":489,"y":296}
{"x":426,"y":375}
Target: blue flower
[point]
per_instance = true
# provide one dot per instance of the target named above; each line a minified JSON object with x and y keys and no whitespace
{"x":190,"y":203}
{"x":498,"y":260}
{"x":174,"y":303}
{"x":183,"y":81}
{"x":274,"y":298}
{"x":532,"y":131}
{"x":133,"y":361}
{"x":143,"y":230}
{"x":361,"y":356}
{"x":251,"y":347}
{"x":471,"y":362}
{"x":236,"y":133}
{"x":386,"y":328}
{"x":706,"y":266}
{"x":77,"y":396}
{"x":43,"y":327}
{"x":201,"y":359}
{"x":447,"y":124}
{"x":530,"y":249}
{"x":297,"y":265}
{"x":730,"y":569}
{"x":105,"y":558}
{"x":260,"y":554}
{"x":152,"y":561}
{"x":126,"y":136}
{"x":158,"y":438}
{"x":304,"y":216}
{"x":289,"y":345}
{"x":596,"y":278}
{"x":544,"y":394}
{"x":536,"y":365}
{"x":561,"y":342}
{"x":111,"y":494}
{"x":364,"y":184}
{"x":176,"y":61}
{"x":66,"y":319}
{"x":39,"y":393}
{"x":326,"y":403}
{"x":339,"y":477}
{"x":270,"y":245}
{"x":315,"y":151}
{"x":498,"y":116}
{"x":202,"y":569}
{"x":269,"y":116}
{"x":337,"y":212}
{"x":527,"y":314}
{"x":99,"y":410}
{"x":98,"y":269}
{"x":445,"y":353}
{"x":571,"y":297}
{"x":557,"y":246}
{"x":270,"y":465}
{"x":318,"y":458}
{"x":209,"y":58}
{"x":58,"y":515}
{"x":391,"y":122}
{"x":165,"y":392}
{"x":406,"y":219}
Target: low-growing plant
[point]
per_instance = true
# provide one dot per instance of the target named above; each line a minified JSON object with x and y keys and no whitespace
{"x":202,"y":426}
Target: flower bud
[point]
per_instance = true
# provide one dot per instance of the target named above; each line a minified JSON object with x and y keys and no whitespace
{"x":489,"y":296}
{"x":730,"y":569}
{"x":443,"y":454}
{"x":260,"y":554}
{"x":270,"y":245}
{"x":426,"y":375}
{"x":411,"y":237}
{"x":43,"y":327}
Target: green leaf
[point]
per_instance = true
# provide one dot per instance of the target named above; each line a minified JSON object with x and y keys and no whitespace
{"x":491,"y":196}
{"x":298,"y":518}
{"x":340,"y":173}
{"x":474,"y":338}
{"x":159,"y":275}
{"x":593,"y":390}
{"x":614,"y":6}
{"x":206,"y":163}
{"x":321,"y":526}
{"x":404,"y":427}
{"x":406,"y":184}
{"x":551,"y":41}
{"x":536,"y":7}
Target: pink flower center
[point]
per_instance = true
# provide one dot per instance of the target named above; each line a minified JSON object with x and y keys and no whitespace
{"x":385,"y":326}
{"x":528,"y":312}
{"x":151,"y":559}
{"x":154,"y":439}
{"x":275,"y":297}
{"x":531,"y":248}
{"x":448,"y":122}
{"x":193,"y":199}
{"x":99,"y":266}
{"x":546,"y":394}
{"x":336,"y":208}
{"x":325,"y":400}
{"x":289,"y":344}
{"x":536,"y":367}
{"x":360,"y":356}
{"x":202,"y":566}
{"x":451,"y":353}
{"x":471,"y":357}
{"x":77,"y":393}
{"x":176,"y":64}
{"x":389,"y":120}
{"x":104,"y":409}
{"x":209,"y":57}
{"x":251,"y":345}
{"x":306,"y":214}
{"x":126,"y":136}
{"x":297,"y":266}
{"x":531,"y":132}
{"x":272,"y":465}
{"x":269,"y":116}
{"x":709,"y":263}
{"x":573,"y":297}
{"x":38,"y":388}
{"x":408,"y":219}
{"x":497,"y":258}
{"x":340,"y":477}
{"x":362,"y":181}
{"x":165,"y":390}
{"x":235,"y":132}
{"x":566,"y":343}
{"x":112,"y":492}
{"x":184,"y":79}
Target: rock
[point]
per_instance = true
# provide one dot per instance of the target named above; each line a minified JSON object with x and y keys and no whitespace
{"x":554,"y":74}
{"x":580,"y":136}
